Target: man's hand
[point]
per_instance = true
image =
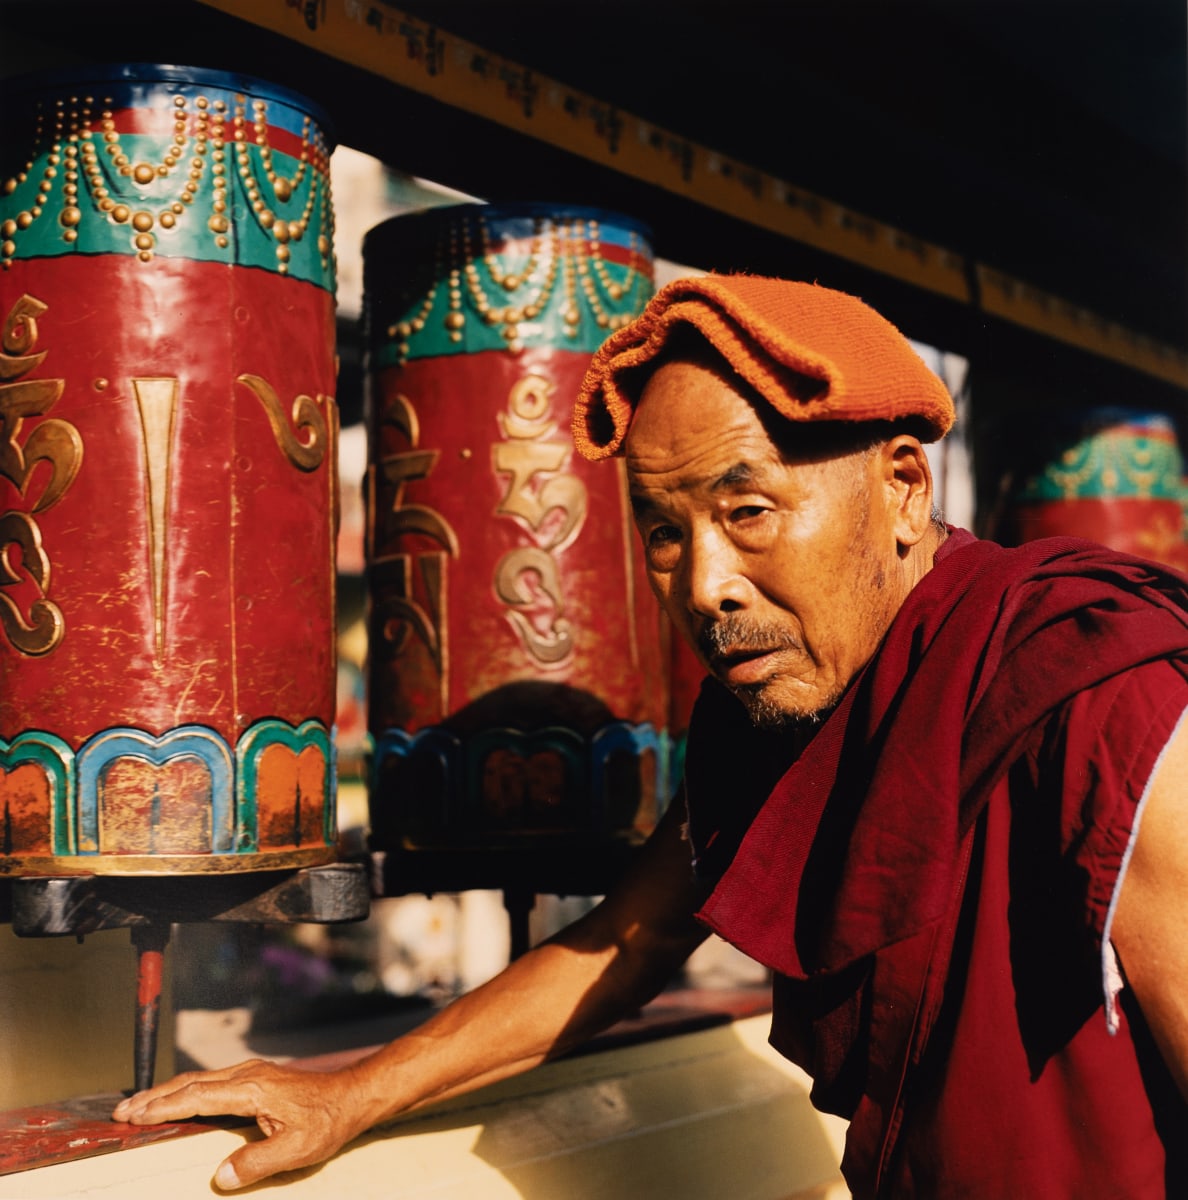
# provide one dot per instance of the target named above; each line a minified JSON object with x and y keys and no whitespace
{"x":305,"y":1116}
{"x":603,"y":966}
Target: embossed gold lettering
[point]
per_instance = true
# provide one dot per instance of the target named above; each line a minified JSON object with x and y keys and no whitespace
{"x":20,"y":333}
{"x":513,"y":585}
{"x":564,"y":494}
{"x":403,"y":518}
{"x":156,"y":401}
{"x":398,"y":613}
{"x":52,"y":442}
{"x":528,"y":409}
{"x":44,"y":628}
{"x":551,"y":505}
{"x":306,"y":416}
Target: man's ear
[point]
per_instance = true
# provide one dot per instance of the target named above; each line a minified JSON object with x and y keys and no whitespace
{"x":908,"y":479}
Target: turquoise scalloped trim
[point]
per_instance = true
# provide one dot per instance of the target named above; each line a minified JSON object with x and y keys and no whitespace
{"x":274,"y":732}
{"x":585,"y":761}
{"x":102,"y":751}
{"x":76,"y":779}
{"x":56,"y":758}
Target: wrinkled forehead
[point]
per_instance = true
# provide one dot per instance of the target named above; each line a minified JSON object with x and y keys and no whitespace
{"x":687,"y":405}
{"x":695,"y":397}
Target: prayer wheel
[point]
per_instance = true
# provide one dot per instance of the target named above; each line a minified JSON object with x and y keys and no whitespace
{"x":518,"y":685}
{"x":1114,"y":476}
{"x":167,"y":476}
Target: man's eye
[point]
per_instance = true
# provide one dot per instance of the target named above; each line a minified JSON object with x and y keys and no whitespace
{"x":664,"y":535}
{"x":747,"y":512}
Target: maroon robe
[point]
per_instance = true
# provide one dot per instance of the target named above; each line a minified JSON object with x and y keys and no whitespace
{"x":930,"y":881}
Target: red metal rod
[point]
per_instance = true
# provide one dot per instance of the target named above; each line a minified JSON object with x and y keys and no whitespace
{"x":150,"y":942}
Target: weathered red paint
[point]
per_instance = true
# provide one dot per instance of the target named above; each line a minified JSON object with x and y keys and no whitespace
{"x":604,"y":597}
{"x":44,"y":1134}
{"x":242,"y":521}
{"x":219,"y":614}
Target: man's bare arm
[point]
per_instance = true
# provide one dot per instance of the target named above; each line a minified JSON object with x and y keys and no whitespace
{"x":1150,"y":929}
{"x":553,"y":998}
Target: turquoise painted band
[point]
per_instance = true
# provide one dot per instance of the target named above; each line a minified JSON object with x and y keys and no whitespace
{"x":189,"y":172}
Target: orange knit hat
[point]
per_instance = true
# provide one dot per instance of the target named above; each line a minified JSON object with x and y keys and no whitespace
{"x":812,"y":353}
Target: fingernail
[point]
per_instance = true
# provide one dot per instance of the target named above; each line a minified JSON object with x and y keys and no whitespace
{"x":226,"y":1178}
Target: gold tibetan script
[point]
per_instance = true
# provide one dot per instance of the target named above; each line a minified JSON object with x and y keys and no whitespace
{"x":399,"y":613}
{"x":56,"y":447}
{"x":305,"y":453}
{"x":551,"y":504}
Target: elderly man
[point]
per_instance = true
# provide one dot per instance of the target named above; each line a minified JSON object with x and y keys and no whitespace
{"x":915,"y":783}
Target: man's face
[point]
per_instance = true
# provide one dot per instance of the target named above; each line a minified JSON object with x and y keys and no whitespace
{"x":783,"y":574}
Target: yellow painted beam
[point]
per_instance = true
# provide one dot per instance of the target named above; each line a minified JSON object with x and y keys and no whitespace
{"x":423,"y":58}
{"x":700,"y":1115}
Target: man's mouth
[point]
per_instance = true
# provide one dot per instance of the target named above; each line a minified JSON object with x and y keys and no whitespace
{"x":738,"y":668}
{"x":744,"y":653}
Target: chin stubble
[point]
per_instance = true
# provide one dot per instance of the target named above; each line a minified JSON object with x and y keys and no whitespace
{"x":735,"y":633}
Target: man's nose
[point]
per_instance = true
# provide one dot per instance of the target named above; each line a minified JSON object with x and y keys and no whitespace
{"x":715,"y":583}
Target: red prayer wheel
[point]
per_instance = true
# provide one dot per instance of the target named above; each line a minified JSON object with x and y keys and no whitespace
{"x":167,"y":476}
{"x":1112,"y":475}
{"x":518,"y":685}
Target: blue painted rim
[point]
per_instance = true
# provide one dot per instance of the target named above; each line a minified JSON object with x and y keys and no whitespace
{"x":147,"y":73}
{"x":406,"y":225}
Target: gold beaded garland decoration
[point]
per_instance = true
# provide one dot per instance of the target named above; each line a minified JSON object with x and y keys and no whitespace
{"x":509,"y":291}
{"x":106,"y":177}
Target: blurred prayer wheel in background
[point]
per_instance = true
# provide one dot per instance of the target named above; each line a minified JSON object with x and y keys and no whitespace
{"x":1114,"y":476}
{"x":167,"y":476}
{"x":518,"y":687}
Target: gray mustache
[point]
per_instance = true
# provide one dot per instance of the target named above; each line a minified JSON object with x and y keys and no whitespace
{"x":734,"y":634}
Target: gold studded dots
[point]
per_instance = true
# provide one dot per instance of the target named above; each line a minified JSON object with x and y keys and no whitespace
{"x":403,"y":331}
{"x":268,"y":195}
{"x":564,"y":271}
{"x":86,"y":168}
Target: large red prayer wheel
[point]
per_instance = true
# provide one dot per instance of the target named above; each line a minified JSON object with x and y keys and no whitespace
{"x":1112,"y":475}
{"x":518,"y":686}
{"x":167,"y":476}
